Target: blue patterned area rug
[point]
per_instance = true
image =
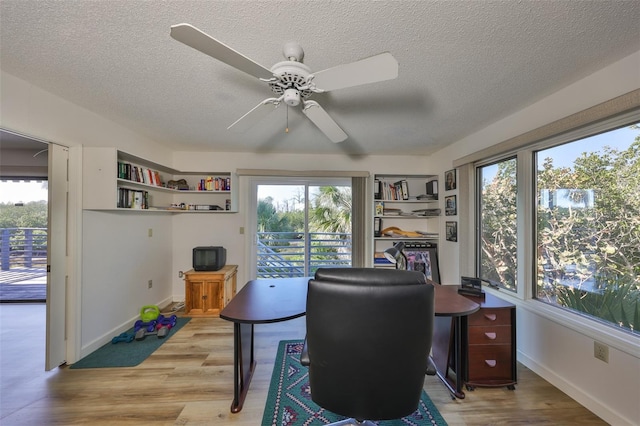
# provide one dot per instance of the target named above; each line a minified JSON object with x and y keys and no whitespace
{"x":289,"y":400}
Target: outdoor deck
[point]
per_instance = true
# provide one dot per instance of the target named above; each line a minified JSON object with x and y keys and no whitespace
{"x":23,"y":285}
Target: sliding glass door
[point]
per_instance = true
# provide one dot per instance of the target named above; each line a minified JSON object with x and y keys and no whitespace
{"x":300,"y":226}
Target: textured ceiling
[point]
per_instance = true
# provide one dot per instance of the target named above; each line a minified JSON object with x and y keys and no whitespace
{"x":463,"y":64}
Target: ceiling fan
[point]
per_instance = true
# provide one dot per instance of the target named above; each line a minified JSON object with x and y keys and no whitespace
{"x":291,"y":80}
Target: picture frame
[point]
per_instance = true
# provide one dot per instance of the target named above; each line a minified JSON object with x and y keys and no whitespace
{"x":423,"y":257}
{"x":451,"y":231}
{"x":450,"y":182}
{"x":450,"y":205}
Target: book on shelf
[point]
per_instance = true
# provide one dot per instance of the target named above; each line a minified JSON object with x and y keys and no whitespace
{"x":132,"y":199}
{"x":211,"y":183}
{"x":380,"y":259}
{"x":426,"y":212}
{"x":432,"y":189}
{"x":138,"y":174}
{"x":401,"y":190}
{"x":425,"y":197}
{"x":379,"y":208}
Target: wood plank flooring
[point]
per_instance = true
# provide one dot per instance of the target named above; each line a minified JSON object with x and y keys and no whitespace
{"x":189,"y":381}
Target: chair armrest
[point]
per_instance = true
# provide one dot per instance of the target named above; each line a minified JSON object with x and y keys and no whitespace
{"x":304,"y":356}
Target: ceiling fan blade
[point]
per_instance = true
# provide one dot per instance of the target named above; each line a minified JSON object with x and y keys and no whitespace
{"x":259,"y":112}
{"x":193,"y":37}
{"x":325,"y":123}
{"x":369,"y":70}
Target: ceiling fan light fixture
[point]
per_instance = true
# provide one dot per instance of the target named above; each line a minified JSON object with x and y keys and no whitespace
{"x":292,"y":97}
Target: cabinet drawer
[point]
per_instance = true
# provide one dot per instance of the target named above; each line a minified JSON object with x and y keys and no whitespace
{"x":491,"y":335}
{"x":490,"y":362}
{"x":491,"y":317}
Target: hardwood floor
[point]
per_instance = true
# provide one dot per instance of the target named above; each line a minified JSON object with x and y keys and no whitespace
{"x":189,"y":381}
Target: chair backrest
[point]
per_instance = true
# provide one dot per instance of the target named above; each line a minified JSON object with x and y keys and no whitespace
{"x":369,"y":334}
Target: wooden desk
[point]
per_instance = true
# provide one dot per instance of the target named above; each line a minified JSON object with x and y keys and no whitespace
{"x":259,"y":302}
{"x":450,"y":307}
{"x":273,"y":300}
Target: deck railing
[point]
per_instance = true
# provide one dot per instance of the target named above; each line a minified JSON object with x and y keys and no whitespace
{"x":23,"y":248}
{"x":288,"y":254}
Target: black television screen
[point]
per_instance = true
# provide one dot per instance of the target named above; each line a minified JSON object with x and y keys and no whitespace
{"x":209,"y":258}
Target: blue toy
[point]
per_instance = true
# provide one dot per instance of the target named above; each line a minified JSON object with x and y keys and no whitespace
{"x":123,"y":337}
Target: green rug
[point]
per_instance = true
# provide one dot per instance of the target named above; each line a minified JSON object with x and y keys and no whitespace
{"x":126,"y":354}
{"x":289,"y":400}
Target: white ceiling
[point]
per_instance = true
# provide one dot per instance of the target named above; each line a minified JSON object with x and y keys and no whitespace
{"x":463,"y":64}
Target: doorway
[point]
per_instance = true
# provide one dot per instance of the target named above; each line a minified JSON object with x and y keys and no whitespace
{"x":23,"y":239}
{"x":26,"y":159}
{"x":300,"y":225}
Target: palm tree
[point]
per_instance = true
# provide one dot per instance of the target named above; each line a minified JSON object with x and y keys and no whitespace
{"x":331,"y":210}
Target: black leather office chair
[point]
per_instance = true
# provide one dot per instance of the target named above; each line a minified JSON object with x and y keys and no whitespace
{"x":369,"y":335}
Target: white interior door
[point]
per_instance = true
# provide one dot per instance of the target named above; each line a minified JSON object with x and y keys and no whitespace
{"x":57,"y":256}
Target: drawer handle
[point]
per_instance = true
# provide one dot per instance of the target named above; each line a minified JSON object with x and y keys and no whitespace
{"x":490,"y":336}
{"x":490,"y":317}
{"x":490,"y":362}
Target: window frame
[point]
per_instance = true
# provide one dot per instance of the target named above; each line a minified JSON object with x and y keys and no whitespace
{"x":526,"y":293}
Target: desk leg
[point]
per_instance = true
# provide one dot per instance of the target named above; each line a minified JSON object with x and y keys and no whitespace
{"x":458,"y":357}
{"x":447,"y":343}
{"x":244,"y":364}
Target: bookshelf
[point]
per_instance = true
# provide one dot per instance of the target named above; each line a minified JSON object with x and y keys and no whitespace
{"x":405,"y":209}
{"x":118,"y":181}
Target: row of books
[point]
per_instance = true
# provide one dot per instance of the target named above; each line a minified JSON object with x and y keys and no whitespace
{"x":215,"y":184}
{"x":133,"y":199}
{"x":138,"y":174}
{"x":384,"y":190}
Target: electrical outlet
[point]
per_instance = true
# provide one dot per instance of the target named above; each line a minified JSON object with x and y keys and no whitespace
{"x":241,"y":230}
{"x":150,"y":232}
{"x":150,"y":283}
{"x":601,"y":351}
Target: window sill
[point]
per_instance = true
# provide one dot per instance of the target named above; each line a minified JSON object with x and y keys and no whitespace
{"x":621,"y":340}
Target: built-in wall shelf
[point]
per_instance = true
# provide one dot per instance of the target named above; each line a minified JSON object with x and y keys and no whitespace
{"x":117,"y":181}
{"x":405,"y":208}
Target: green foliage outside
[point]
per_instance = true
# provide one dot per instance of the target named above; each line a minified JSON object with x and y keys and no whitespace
{"x":30,"y":215}
{"x":329,"y":212}
{"x":588,"y":238}
{"x":498,"y":238}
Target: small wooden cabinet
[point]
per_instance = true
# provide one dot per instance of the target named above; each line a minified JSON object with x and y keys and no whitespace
{"x":489,"y":343}
{"x":208,"y":292}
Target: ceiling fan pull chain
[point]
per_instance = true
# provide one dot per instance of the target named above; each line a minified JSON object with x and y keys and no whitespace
{"x":286,"y":130}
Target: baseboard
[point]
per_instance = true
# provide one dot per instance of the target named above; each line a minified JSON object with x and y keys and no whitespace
{"x":582,"y":398}
{"x":121,"y":328}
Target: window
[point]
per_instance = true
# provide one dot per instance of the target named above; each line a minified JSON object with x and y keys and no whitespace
{"x":588,"y":226}
{"x":497,"y":216}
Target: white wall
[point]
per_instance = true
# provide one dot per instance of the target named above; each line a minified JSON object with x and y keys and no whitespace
{"x":119,"y":258}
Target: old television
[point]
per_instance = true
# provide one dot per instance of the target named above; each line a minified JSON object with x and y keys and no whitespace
{"x":209,"y":258}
